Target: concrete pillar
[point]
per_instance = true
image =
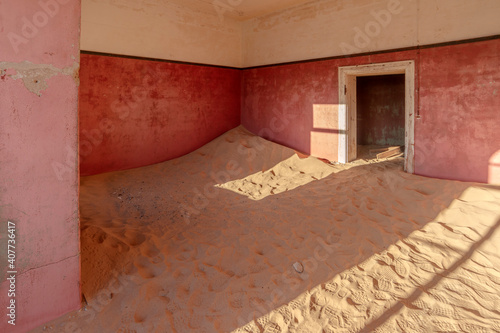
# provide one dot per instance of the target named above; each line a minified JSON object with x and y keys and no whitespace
{"x":39,"y":64}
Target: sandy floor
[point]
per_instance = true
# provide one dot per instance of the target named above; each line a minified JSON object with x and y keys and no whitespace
{"x":245,"y":235}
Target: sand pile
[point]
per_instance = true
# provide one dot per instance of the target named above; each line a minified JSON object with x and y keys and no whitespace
{"x":284,"y":176}
{"x":208,"y":243}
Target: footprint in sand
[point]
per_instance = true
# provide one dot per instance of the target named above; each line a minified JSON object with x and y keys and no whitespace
{"x":442,"y":310}
{"x":383,"y":284}
{"x":388,"y":326}
{"x":133,"y":237}
{"x":473,"y":328}
{"x":424,"y":303}
{"x":334,"y":317}
{"x":299,"y":303}
{"x":114,"y":243}
{"x":318,"y":301}
{"x":149,"y":250}
{"x":218,"y":280}
{"x":412,"y":322}
{"x":127,"y":317}
{"x":187,"y":253}
{"x":401,"y":268}
{"x":382,"y":296}
{"x":272,"y":328}
{"x":237,"y":300}
{"x":343,"y":293}
{"x":146,"y":268}
{"x":263,"y":321}
{"x":385,"y":258}
{"x":443,"y":325}
{"x":141,"y":315}
{"x":287,"y":314}
{"x":331,"y":287}
{"x":387,"y":273}
{"x":359,"y":297}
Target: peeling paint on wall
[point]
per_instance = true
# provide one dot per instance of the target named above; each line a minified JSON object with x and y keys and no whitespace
{"x":35,"y":76}
{"x":38,"y":120}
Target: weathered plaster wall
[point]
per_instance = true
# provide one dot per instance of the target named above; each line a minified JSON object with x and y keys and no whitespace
{"x":39,"y":58}
{"x":136,"y":112}
{"x":460,"y":108}
{"x":326,"y":28}
{"x":215,"y":32}
{"x":161,"y":29}
{"x":455,"y":138}
{"x":381,"y":110}
{"x":282,"y":102}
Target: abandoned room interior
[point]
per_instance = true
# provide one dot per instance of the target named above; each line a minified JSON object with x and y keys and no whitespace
{"x":311,"y":166}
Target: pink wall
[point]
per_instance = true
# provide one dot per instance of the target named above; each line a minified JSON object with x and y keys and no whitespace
{"x":459,"y":106}
{"x":136,"y":112}
{"x":39,"y":59}
{"x":280,"y":101}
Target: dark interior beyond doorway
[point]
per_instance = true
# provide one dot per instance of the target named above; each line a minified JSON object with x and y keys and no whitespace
{"x":381,"y":110}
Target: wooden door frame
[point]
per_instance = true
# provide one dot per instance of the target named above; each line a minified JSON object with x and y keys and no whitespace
{"x":347,"y":106}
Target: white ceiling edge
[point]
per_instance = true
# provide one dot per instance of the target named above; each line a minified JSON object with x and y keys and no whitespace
{"x":240,"y":10}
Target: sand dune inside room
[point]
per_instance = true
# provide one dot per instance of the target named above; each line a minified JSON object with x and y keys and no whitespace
{"x":375,"y":249}
{"x":301,"y":166}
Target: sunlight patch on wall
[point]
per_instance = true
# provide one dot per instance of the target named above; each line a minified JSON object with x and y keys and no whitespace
{"x":325,"y":116}
{"x":325,"y":133}
{"x":494,"y":169}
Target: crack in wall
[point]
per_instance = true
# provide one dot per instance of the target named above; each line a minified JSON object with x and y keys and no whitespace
{"x":35,"y":76}
{"x":49,"y":264}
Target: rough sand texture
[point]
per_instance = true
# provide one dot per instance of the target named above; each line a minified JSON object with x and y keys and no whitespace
{"x":165,"y":250}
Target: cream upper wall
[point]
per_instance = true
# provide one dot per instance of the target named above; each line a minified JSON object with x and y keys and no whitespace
{"x":449,"y":20}
{"x":185,"y":31}
{"x":161,"y":29}
{"x":326,"y":28}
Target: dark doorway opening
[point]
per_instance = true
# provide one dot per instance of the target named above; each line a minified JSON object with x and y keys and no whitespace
{"x":380,"y":112}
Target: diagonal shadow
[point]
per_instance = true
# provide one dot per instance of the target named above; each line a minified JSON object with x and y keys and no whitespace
{"x":433,"y":283}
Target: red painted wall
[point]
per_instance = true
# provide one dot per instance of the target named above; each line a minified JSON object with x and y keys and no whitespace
{"x":279,"y":102}
{"x":136,"y":112}
{"x":458,"y":99}
{"x":460,"y":108}
{"x":380,"y":110}
{"x":39,"y":59}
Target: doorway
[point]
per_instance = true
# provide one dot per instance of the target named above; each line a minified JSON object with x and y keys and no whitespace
{"x":380,"y":115}
{"x":348,"y":107}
